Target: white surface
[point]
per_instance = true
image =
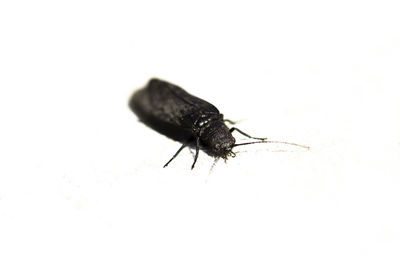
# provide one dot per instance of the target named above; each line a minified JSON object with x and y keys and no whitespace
{"x":82,"y":182}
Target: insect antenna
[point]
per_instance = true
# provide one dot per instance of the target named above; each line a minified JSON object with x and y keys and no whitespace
{"x":274,"y":142}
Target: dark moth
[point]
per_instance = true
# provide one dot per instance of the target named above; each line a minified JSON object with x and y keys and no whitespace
{"x":172,"y":111}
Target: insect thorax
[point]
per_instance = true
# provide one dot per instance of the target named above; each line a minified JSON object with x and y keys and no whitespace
{"x":214,"y":134}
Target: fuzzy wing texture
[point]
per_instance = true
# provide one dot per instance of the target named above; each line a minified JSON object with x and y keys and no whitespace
{"x":169,"y":104}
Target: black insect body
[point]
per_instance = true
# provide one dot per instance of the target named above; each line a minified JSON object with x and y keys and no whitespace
{"x":190,"y":120}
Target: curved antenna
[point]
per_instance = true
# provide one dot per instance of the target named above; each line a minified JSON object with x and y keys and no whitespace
{"x":274,"y":142}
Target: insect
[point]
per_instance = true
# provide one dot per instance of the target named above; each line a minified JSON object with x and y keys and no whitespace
{"x":172,"y":111}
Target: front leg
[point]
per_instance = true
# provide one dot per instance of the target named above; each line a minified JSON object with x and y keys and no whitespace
{"x":176,"y":154}
{"x":245,"y":134}
{"x":182,"y":147}
{"x":197,"y":151}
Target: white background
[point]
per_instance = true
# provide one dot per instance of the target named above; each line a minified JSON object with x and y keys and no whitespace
{"x":82,"y":182}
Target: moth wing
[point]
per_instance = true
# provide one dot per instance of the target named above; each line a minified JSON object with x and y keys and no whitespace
{"x":171,"y":104}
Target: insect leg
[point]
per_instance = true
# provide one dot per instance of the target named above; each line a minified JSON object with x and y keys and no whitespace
{"x":197,"y":151}
{"x":231,"y":122}
{"x":245,"y":134}
{"x":176,"y":154}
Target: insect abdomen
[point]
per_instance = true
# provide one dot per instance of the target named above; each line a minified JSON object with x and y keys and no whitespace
{"x":152,"y":110}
